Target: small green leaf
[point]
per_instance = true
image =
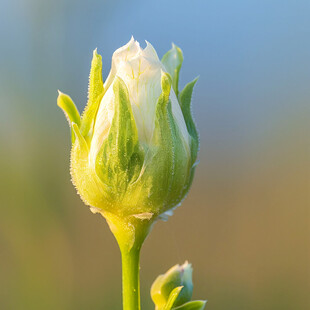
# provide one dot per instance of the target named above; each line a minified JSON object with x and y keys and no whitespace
{"x":185,"y":103}
{"x":172,"y":61}
{"x":172,"y":298}
{"x":95,"y":94}
{"x":193,"y":305}
{"x":71,"y":112}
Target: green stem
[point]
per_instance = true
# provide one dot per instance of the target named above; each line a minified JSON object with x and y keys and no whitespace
{"x":131,"y":280}
{"x":130,"y":232}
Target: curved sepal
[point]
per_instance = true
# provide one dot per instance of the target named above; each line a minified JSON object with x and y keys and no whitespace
{"x":120,"y":158}
{"x":80,"y":143}
{"x":95,"y":94}
{"x":79,"y":164}
{"x":70,"y":110}
{"x":185,"y":103}
{"x":172,"y":61}
{"x":193,"y":305}
{"x":173,"y":297}
{"x":87,"y":183}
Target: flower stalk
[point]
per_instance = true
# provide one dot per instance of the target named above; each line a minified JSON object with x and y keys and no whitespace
{"x":131,"y":279}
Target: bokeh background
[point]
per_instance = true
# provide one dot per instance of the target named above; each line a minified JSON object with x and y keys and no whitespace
{"x":245,"y":225}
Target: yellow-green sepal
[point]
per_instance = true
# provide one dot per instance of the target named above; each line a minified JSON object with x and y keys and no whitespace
{"x":95,"y":94}
{"x":87,"y":183}
{"x":192,"y":305}
{"x":120,"y":159}
{"x":172,"y":61}
{"x":80,"y":143}
{"x":185,"y":99}
{"x":79,"y":163}
{"x":70,"y":110}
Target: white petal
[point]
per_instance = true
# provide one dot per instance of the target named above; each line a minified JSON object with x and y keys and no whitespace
{"x":124,"y":53}
{"x":142,"y":75}
{"x":150,"y":53}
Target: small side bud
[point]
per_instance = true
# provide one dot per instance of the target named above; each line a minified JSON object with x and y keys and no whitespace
{"x":164,"y":285}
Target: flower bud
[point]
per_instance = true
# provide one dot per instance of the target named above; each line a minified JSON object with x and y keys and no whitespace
{"x":134,"y":148}
{"x":166,"y":284}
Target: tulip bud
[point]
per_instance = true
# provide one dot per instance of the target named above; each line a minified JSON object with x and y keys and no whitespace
{"x":176,"y":277}
{"x":135,"y":147}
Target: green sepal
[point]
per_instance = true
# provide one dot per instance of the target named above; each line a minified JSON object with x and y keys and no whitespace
{"x":185,"y":103}
{"x":190,"y":179}
{"x":172,"y":61}
{"x":95,"y":94}
{"x":120,"y":159}
{"x":167,"y":157}
{"x":192,"y":305}
{"x":160,"y":157}
{"x":70,"y":110}
{"x":173,"y":297}
{"x":79,"y":164}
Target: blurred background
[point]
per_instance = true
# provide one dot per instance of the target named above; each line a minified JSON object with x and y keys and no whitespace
{"x":245,"y":225}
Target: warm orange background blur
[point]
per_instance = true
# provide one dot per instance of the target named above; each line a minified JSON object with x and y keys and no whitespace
{"x":245,"y":225}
